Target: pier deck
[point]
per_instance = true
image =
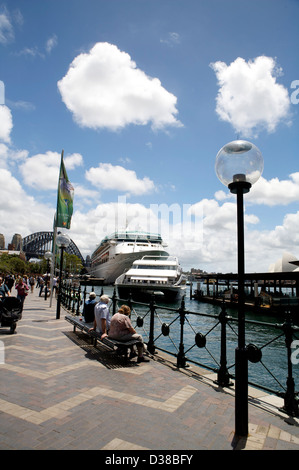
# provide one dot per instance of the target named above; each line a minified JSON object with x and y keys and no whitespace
{"x":58,"y":392}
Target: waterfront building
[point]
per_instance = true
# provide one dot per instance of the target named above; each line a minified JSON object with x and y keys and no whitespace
{"x":2,"y":241}
{"x":16,"y":243}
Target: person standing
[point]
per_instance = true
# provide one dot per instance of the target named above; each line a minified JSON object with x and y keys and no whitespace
{"x":41,"y":285}
{"x":55,"y":286}
{"x":22,"y":290}
{"x":9,"y":281}
{"x":31,"y":282}
{"x":4,"y":290}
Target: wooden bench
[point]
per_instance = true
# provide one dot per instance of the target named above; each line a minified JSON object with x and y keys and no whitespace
{"x":122,"y":348}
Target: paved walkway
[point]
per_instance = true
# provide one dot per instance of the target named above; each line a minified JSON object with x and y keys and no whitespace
{"x":59,"y":392}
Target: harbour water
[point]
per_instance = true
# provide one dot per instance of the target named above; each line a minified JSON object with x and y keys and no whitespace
{"x":271,"y":372}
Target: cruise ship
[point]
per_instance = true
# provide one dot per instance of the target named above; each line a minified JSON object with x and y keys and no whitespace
{"x":158,"y":275}
{"x":116,"y":253}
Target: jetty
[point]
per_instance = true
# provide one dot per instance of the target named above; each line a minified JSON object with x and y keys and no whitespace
{"x":265,"y":292}
{"x":92,"y":281}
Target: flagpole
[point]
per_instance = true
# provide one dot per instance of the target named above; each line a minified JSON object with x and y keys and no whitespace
{"x":54,"y":235}
{"x":64,"y":211}
{"x":53,"y":261}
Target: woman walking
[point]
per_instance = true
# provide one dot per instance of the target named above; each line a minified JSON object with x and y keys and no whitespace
{"x":22,"y":290}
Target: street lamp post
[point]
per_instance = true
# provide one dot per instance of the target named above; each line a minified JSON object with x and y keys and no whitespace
{"x":62,"y":241}
{"x":48,"y":256}
{"x":239,"y":164}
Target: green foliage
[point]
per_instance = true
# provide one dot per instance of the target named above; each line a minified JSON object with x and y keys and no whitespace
{"x":72,"y":264}
{"x":13,"y":264}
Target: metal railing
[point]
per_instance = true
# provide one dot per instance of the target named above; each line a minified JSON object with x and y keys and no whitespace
{"x":208,"y":340}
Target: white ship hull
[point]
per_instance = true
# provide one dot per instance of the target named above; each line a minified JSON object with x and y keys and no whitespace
{"x":160,"y":276}
{"x":117,"y":252}
{"x":116,"y":266}
{"x":167,"y":294}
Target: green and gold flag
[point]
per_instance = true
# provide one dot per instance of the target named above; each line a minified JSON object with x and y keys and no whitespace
{"x":65,"y":196}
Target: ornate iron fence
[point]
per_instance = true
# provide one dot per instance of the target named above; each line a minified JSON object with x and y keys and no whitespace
{"x":209,"y":340}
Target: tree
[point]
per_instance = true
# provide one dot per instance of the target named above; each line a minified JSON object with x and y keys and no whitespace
{"x":73,"y":264}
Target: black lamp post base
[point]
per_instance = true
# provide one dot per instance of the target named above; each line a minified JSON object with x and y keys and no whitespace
{"x":241,"y":392}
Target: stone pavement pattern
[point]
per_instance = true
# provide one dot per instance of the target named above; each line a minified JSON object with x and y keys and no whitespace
{"x":57,"y":391}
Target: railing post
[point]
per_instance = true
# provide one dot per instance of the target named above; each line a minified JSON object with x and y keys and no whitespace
{"x":74,"y":300}
{"x":223,"y":375}
{"x":78,"y":300}
{"x":114,"y":300}
{"x":150,"y":344}
{"x":84,"y":295}
{"x":62,"y":290}
{"x":130,"y":303}
{"x":64,"y":293}
{"x":69,"y":297}
{"x":181,"y":360}
{"x":290,"y":399}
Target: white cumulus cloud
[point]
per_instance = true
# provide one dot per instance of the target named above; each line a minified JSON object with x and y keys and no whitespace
{"x":107,"y":176}
{"x":6,"y":124}
{"x":104,"y":89}
{"x":249,"y":97}
{"x":275,"y":192}
{"x":31,"y":215}
{"x":41,"y":171}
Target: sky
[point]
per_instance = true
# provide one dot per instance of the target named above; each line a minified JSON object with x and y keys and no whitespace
{"x":141,"y":95}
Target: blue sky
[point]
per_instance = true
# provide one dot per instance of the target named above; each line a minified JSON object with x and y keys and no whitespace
{"x":141,"y":95}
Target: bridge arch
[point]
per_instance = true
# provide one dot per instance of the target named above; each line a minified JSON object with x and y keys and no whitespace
{"x":38,"y":243}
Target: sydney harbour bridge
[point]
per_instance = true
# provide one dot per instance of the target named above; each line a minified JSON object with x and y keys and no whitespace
{"x":38,"y":243}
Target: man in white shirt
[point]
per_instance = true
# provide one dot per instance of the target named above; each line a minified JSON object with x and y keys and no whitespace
{"x":102,"y":316}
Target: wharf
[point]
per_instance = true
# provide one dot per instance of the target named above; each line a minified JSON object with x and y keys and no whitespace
{"x":270,"y":300}
{"x":93,"y":281}
{"x":59,"y":392}
{"x":249,"y":306}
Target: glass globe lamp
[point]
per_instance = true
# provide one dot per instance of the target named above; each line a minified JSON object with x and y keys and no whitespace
{"x":239,"y":162}
{"x":62,"y":240}
{"x":48,"y":255}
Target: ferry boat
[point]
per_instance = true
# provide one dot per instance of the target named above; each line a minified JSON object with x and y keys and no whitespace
{"x":161,"y":276}
{"x":116,"y":253}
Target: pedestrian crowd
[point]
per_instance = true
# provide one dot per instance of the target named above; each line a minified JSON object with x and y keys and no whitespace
{"x":24,"y":284}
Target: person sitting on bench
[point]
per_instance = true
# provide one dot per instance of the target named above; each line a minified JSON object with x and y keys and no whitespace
{"x":102,"y":316}
{"x":121,"y":329}
{"x":88,"y":311}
